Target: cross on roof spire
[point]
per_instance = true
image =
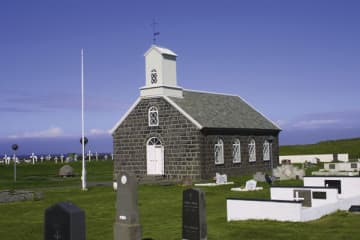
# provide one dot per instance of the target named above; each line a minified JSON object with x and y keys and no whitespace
{"x":155,"y":33}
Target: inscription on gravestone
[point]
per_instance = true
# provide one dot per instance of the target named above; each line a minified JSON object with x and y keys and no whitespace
{"x":127,"y":223}
{"x":64,"y":221}
{"x":194,"y":215}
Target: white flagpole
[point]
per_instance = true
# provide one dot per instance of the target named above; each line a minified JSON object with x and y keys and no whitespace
{"x":83,"y":176}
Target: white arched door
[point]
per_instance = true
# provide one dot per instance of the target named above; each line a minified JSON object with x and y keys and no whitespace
{"x":154,"y":157}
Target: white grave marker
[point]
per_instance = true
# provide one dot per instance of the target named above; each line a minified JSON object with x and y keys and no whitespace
{"x":250,"y":185}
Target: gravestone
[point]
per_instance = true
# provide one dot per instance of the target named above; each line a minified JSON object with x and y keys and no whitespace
{"x":220,"y":178}
{"x":333,"y":184}
{"x":250,"y":185}
{"x":66,"y":171}
{"x":268,"y":179}
{"x":304,"y":196}
{"x":354,"y":209}
{"x":194,"y":215}
{"x":64,"y":221}
{"x":127,"y":223}
{"x":259,"y":177}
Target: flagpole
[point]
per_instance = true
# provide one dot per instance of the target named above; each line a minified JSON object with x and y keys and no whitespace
{"x":83,"y":172}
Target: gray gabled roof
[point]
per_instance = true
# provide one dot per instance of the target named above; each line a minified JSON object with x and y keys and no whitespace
{"x":212,"y":110}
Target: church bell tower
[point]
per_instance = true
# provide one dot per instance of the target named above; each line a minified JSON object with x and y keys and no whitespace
{"x":160,"y":73}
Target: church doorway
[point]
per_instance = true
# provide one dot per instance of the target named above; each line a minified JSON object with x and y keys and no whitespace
{"x":154,"y":157}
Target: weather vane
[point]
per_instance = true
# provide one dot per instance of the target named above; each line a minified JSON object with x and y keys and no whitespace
{"x":155,"y":33}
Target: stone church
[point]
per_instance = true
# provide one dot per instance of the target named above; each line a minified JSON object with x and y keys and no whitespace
{"x":170,"y":133}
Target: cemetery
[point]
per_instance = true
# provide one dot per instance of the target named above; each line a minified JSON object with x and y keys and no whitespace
{"x":339,"y":169}
{"x":160,"y":208}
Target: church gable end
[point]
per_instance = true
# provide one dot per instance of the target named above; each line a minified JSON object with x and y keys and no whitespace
{"x":179,"y":137}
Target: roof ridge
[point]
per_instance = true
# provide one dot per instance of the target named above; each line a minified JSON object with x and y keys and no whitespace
{"x":207,"y":92}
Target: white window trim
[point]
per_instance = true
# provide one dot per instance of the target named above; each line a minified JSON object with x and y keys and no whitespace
{"x":237,"y":157}
{"x":219,"y":159}
{"x":153,"y":110}
{"x":266,"y":154}
{"x":252,"y":151}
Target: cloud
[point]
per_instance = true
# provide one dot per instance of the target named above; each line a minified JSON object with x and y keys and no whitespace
{"x":327,"y":120}
{"x":96,"y":131}
{"x":47,"y":133}
{"x":315,"y":123}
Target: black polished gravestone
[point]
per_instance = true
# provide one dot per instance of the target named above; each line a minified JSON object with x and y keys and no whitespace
{"x":64,"y":221}
{"x":194,"y":215}
{"x":127,"y":223}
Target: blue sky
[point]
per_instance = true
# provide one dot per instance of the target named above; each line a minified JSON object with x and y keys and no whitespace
{"x":295,"y":61}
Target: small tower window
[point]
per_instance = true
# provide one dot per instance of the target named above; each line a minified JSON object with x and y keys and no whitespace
{"x":236,"y":151}
{"x":252,"y":151}
{"x":153,"y":116}
{"x":154,"y":76}
{"x":219,"y":152}
{"x":266,"y":151}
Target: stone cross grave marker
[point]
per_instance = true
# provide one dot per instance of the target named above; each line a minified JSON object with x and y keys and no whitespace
{"x":64,"y":221}
{"x":127,"y":223}
{"x":194,"y":215}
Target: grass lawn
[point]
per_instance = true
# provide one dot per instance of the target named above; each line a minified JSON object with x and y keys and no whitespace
{"x":350,"y":146}
{"x":160,"y":209}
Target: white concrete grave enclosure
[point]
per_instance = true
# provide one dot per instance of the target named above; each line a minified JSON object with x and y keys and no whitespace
{"x":343,"y":157}
{"x":339,"y":169}
{"x":319,"y":196}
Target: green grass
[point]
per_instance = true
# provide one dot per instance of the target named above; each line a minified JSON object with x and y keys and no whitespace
{"x":351,"y":146}
{"x":45,"y":174}
{"x":160,"y":209}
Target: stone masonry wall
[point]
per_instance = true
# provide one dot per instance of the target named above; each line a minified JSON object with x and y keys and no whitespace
{"x":180,"y":138}
{"x":237,"y":169}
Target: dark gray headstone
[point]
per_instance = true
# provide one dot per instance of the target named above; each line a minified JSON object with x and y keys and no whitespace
{"x":194,"y":215}
{"x":355,"y":209}
{"x":333,"y":184}
{"x":127,"y":223}
{"x":268,"y":179}
{"x":306,"y":195}
{"x":64,"y":221}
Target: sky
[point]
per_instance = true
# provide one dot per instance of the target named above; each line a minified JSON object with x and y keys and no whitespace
{"x":297,"y":62}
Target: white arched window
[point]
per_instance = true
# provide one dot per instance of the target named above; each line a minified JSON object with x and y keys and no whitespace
{"x":153,"y":116}
{"x":219,"y":152}
{"x":236,"y":151}
{"x":252,"y":151}
{"x":266,"y":150}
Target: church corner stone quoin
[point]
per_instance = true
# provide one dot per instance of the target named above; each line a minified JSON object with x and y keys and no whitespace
{"x":170,"y":133}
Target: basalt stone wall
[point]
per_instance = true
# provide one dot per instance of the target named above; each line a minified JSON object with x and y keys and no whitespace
{"x":180,"y":138}
{"x":209,"y":168}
